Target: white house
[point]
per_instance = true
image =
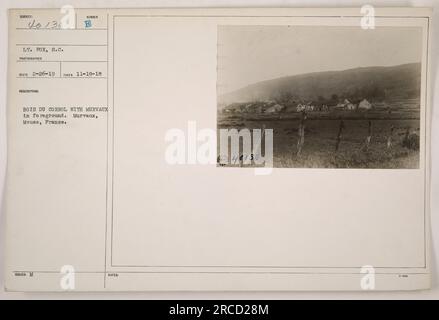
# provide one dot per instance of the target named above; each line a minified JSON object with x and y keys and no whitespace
{"x":365,"y":105}
{"x":275,"y":108}
{"x":305,"y":107}
{"x":346,"y":105}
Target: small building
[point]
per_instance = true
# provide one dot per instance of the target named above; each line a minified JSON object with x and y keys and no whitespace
{"x":308,"y":107}
{"x":346,"y":105}
{"x":342,"y":105}
{"x":275,"y":109}
{"x":365,"y":105}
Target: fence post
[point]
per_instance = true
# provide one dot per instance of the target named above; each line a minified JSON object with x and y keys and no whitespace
{"x":389,"y":138}
{"x":301,"y":133}
{"x":339,"y":135}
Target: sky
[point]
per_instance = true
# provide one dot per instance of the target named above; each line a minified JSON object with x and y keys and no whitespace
{"x":250,"y":54}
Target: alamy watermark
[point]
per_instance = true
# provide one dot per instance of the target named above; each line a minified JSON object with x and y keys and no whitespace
{"x":237,"y":147}
{"x":368,"y":19}
{"x":367,"y":281}
{"x":67,"y":281}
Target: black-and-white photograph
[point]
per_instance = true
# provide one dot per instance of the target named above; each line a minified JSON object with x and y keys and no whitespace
{"x":334,"y":96}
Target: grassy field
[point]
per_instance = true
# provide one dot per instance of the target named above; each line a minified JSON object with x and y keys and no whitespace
{"x":321,"y":134}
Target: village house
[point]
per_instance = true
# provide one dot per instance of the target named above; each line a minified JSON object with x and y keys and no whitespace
{"x":365,"y":105}
{"x":275,"y":109}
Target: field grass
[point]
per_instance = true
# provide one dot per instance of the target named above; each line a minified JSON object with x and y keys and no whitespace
{"x":321,"y":134}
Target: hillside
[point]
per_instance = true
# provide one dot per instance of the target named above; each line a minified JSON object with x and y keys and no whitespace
{"x":372,"y":83}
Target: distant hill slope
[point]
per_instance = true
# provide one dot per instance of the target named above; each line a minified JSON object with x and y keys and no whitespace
{"x":372,"y":83}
